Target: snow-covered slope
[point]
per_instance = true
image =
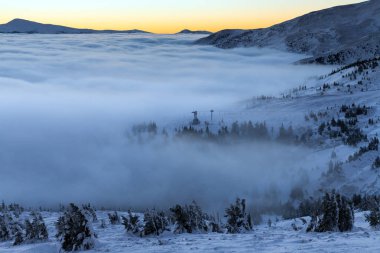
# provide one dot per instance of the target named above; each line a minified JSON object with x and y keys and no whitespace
{"x":342,"y":34}
{"x":317,"y":102}
{"x":25,"y":26}
{"x":355,"y":85}
{"x":280,"y":237}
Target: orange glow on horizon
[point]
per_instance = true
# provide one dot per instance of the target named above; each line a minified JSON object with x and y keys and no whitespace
{"x":166,"y":20}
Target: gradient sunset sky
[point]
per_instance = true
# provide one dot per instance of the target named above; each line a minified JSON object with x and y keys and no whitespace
{"x":162,"y":16}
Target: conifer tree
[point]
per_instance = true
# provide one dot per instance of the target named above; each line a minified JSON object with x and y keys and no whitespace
{"x":336,"y":215}
{"x":155,"y":223}
{"x":132,"y":223}
{"x":35,"y":230}
{"x":74,"y":231}
{"x":237,"y":218}
{"x":114,"y":218}
{"x":373,"y":218}
{"x":4,"y":230}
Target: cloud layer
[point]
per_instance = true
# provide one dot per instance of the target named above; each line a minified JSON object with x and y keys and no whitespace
{"x":66,"y":102}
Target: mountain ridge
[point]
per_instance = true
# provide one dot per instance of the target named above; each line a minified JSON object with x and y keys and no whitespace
{"x":19,"y":25}
{"x":187,"y":31}
{"x":337,"y":35}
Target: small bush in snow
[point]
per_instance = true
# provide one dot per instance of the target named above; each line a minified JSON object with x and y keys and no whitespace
{"x":11,"y":229}
{"x":366,"y":202}
{"x":132,"y":224}
{"x":90,"y":212}
{"x":74,"y":231}
{"x":376,"y":163}
{"x":189,"y":219}
{"x":155,"y":223}
{"x":237,"y":218}
{"x":18,"y":234}
{"x":5,"y":234}
{"x":374,"y":218}
{"x":114,"y":218}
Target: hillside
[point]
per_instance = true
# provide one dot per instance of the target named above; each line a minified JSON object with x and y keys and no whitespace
{"x":187,"y":31}
{"x":336,"y":113}
{"x":26,"y":26}
{"x":338,"y":35}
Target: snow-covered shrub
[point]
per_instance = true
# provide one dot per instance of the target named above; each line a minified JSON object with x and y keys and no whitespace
{"x":90,"y":212}
{"x":214,"y":224}
{"x":16,"y":209}
{"x":114,"y":218}
{"x":5,"y":234}
{"x":346,"y":214}
{"x":35,"y":230}
{"x":373,"y":145}
{"x":18,"y":234}
{"x":376,"y":163}
{"x":337,"y":215}
{"x":237,"y":218}
{"x":132,"y":224}
{"x":74,"y":231}
{"x":373,"y":218}
{"x":189,"y":218}
{"x":11,"y":229}
{"x":366,"y":202}
{"x":309,"y":207}
{"x":354,"y":137}
{"x":155,"y":223}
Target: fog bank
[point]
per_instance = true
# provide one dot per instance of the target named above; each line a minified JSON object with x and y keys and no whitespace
{"x":66,"y":102}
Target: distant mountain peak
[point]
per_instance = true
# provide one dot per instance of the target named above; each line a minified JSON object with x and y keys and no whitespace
{"x":19,"y":25}
{"x":187,"y":31}
{"x":18,"y":21}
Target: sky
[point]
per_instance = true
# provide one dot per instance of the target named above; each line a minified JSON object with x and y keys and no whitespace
{"x":162,"y":16}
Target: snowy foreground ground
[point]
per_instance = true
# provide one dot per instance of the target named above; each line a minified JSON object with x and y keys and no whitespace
{"x":281,"y":237}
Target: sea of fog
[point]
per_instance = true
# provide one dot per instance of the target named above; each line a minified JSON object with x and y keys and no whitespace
{"x":66,"y":102}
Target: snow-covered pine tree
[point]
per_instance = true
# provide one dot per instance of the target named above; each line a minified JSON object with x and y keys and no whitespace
{"x":5,"y":234}
{"x":214,"y":224}
{"x":329,"y":221}
{"x":11,"y":229}
{"x":197,"y":217}
{"x":237,"y":218}
{"x":189,"y":218}
{"x":114,"y":218}
{"x":337,"y":215}
{"x":18,"y":234}
{"x":376,"y":163}
{"x":313,"y":223}
{"x":35,"y":230}
{"x":90,"y":212}
{"x":155,"y":223}
{"x":132,"y":224}
{"x":373,"y":218}
{"x":16,"y":209}
{"x":346,"y":214}
{"x":181,"y":219}
{"x":74,"y":231}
